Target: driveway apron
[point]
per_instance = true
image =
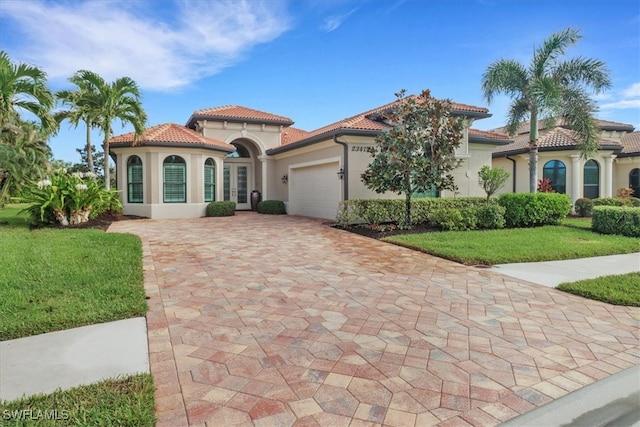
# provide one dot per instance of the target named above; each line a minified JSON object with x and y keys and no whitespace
{"x":280,"y":320}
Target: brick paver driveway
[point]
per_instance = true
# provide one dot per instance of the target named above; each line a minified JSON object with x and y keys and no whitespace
{"x":278,"y":321}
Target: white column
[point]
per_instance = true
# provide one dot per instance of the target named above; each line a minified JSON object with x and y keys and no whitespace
{"x":219,"y":178}
{"x":575,"y":178}
{"x":265,"y":176}
{"x":608,"y":175}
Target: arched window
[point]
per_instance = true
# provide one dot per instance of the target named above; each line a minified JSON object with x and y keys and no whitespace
{"x":134,"y":180}
{"x":634,"y":182}
{"x":556,"y":172}
{"x":591,"y":180}
{"x":174,"y":172}
{"x":209,"y":180}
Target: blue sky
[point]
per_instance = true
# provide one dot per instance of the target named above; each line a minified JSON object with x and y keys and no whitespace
{"x":315,"y":61}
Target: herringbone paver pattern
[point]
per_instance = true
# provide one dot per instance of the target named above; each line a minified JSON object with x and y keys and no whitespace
{"x":280,"y":321}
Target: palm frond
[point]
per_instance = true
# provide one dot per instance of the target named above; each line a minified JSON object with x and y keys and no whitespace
{"x":554,"y":46}
{"x":504,"y":76}
{"x":577,"y":111}
{"x":589,"y":72}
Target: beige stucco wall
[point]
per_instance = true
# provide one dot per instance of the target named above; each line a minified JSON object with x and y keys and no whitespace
{"x":152,"y":160}
{"x":621,"y":169}
{"x":610,"y":173}
{"x":265,"y":136}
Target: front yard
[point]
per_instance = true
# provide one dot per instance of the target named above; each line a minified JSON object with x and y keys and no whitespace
{"x":53,"y":279}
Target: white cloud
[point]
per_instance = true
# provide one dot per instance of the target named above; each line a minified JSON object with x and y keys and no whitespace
{"x":623,"y":104}
{"x":114,"y":39}
{"x":628,"y":98}
{"x":333,"y":22}
{"x":632,"y":91}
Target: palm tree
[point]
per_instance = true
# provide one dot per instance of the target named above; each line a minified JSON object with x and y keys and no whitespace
{"x":24,"y":87}
{"x":24,"y":155}
{"x":108,"y":102}
{"x":550,"y":88}
{"x":80,"y":109}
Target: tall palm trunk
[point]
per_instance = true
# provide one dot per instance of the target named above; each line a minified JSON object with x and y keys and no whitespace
{"x":92,"y":169}
{"x":107,"y":172}
{"x":533,"y":152}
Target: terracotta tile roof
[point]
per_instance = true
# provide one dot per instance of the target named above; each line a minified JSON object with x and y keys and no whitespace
{"x":370,"y":120}
{"x":555,"y":139}
{"x":170,"y":133}
{"x":238,"y":113}
{"x":630,"y":144}
{"x":602,"y":125}
{"x":488,"y":135}
{"x":291,"y":134}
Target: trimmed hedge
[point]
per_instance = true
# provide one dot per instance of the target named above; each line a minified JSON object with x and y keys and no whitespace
{"x":584,"y":207}
{"x":271,"y":207}
{"x":616,"y":220}
{"x":450,"y":214}
{"x":615,"y":201}
{"x":222,"y":208}
{"x":534,"y":209}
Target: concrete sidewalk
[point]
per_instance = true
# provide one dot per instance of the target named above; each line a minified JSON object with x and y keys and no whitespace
{"x":73,"y":357}
{"x":552,"y":273}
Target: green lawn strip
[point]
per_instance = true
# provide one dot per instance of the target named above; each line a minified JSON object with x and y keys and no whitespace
{"x":53,"y":279}
{"x":517,"y":245}
{"x":124,"y":401}
{"x":584,"y":223}
{"x":623,"y":289}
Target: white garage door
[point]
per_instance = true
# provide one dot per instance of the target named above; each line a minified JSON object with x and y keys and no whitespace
{"x":315,"y":191}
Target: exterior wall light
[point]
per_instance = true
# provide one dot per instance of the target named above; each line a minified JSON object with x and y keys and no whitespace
{"x":285,"y":178}
{"x":341,"y":173}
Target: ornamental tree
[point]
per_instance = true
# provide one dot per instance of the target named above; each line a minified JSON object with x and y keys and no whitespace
{"x":492,"y":179}
{"x":418,"y":152}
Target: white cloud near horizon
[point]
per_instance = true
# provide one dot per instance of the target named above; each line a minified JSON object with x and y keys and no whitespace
{"x":116,"y":39}
{"x":627,"y":98}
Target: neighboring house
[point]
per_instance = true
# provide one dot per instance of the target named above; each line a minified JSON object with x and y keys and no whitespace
{"x":173,"y":171}
{"x":615,"y":165}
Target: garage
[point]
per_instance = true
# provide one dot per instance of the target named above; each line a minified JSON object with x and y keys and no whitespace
{"x":315,"y":190}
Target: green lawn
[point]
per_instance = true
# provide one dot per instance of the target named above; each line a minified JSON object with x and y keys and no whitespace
{"x":517,"y":244}
{"x":577,"y":222}
{"x":116,"y":402}
{"x":623,"y":289}
{"x":53,"y":279}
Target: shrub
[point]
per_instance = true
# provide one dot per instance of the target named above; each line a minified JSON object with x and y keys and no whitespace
{"x":452,"y":219}
{"x":609,"y":201}
{"x":271,"y":207}
{"x":490,"y":217}
{"x":534,"y":209}
{"x":616,"y":220}
{"x":377,"y":211}
{"x":222,"y":208}
{"x":584,"y":207}
{"x":544,"y":186}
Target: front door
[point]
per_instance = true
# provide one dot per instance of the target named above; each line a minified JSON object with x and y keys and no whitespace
{"x":237,"y":177}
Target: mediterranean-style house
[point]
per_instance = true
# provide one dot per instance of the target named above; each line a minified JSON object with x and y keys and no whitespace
{"x":616,"y":164}
{"x":226,"y":153}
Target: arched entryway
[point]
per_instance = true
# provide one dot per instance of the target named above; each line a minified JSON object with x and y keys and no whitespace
{"x":239,"y":173}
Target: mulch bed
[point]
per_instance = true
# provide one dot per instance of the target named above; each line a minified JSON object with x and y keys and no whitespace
{"x":100,"y":223}
{"x":374,"y":234}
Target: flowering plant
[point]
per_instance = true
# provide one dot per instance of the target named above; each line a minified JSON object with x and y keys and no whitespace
{"x":68,"y":198}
